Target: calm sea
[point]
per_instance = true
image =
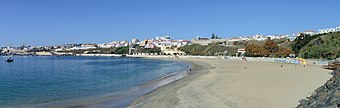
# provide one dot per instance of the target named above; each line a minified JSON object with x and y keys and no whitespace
{"x":36,"y":80}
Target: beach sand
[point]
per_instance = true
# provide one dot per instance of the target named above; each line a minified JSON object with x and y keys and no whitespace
{"x":219,"y":83}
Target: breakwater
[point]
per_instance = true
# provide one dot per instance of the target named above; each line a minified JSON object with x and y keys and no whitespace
{"x":326,"y":96}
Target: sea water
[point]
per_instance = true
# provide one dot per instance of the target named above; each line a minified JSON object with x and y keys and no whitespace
{"x":44,"y":79}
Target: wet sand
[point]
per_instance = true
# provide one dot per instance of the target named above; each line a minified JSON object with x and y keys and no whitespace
{"x":218,"y":83}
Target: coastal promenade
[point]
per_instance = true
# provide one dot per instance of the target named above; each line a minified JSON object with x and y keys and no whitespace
{"x":231,"y":83}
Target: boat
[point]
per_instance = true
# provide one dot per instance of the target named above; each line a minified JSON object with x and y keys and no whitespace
{"x":9,"y":60}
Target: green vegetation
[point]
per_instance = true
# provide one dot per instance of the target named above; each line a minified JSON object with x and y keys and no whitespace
{"x":213,"y":36}
{"x":212,"y":49}
{"x":326,"y":46}
{"x":149,"y":50}
{"x":269,"y":48}
{"x":38,"y":50}
{"x":302,"y":41}
{"x":281,"y":41}
{"x":121,"y":50}
{"x":243,"y":44}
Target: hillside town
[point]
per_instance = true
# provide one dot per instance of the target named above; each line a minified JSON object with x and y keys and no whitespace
{"x":165,"y":44}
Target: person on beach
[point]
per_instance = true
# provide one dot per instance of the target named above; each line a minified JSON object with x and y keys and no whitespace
{"x":296,"y":61}
{"x":304,"y":62}
{"x":244,"y":58}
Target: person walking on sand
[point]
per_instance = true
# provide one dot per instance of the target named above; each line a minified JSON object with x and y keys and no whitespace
{"x":296,"y":62}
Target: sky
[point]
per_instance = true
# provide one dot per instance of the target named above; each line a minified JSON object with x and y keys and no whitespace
{"x":56,"y":22}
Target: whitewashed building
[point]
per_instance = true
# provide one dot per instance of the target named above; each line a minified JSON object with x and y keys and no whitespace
{"x":322,"y":31}
{"x":259,"y":37}
{"x":163,"y":38}
{"x":309,"y":32}
{"x":83,"y":47}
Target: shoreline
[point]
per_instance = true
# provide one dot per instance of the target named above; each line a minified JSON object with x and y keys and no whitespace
{"x":172,"y":93}
{"x":118,"y":99}
{"x":198,"y":69}
{"x":228,"y":83}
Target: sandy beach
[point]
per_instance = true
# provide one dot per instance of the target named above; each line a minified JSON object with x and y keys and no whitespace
{"x":220,"y":83}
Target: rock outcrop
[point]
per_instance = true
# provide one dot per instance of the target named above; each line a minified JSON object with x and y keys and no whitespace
{"x":326,"y":96}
